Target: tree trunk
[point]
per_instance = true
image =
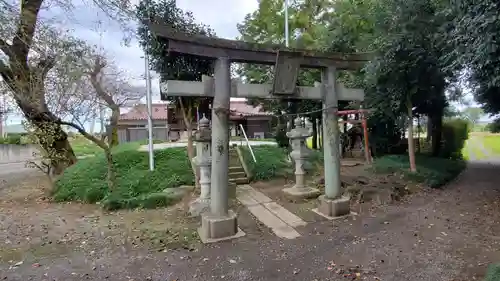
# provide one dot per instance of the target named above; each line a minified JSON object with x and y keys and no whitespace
{"x":429,"y":129}
{"x":411,"y":145}
{"x":292,"y":110}
{"x":315,"y":134}
{"x":111,"y":176}
{"x":113,"y":124}
{"x":418,"y":134}
{"x":344,"y":117}
{"x":186,"y":114}
{"x":437,"y":127}
{"x":52,"y":138}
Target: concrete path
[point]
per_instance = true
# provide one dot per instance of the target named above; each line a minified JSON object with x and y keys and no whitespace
{"x":183,"y":144}
{"x":281,"y":221}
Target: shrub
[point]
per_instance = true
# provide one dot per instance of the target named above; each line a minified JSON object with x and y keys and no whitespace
{"x":455,"y":133}
{"x":494,"y":127}
{"x":280,"y":136}
{"x":432,"y":171}
{"x":136,"y":186}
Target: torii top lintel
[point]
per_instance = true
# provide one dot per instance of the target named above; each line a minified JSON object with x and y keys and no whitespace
{"x":238,"y":51}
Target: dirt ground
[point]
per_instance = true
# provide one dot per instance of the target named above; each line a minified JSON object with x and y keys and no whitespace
{"x":450,"y":234}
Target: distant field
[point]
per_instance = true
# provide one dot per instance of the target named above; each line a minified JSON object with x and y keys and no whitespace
{"x":492,"y":143}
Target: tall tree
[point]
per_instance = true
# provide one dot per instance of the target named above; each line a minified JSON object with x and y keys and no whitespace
{"x":112,"y":90}
{"x":475,"y":33}
{"x":176,"y":67}
{"x":408,"y":73}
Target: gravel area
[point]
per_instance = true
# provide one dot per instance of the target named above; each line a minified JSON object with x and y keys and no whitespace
{"x":450,"y":234}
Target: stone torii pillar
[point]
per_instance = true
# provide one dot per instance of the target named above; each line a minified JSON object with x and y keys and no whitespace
{"x":220,"y":223}
{"x":332,"y":204}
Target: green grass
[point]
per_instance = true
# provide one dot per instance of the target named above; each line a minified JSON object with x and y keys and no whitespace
{"x":272,"y":161}
{"x":431,"y":171}
{"x":84,"y":147}
{"x":434,"y":172}
{"x":136,"y":185}
{"x":493,"y":273}
{"x":492,"y":143}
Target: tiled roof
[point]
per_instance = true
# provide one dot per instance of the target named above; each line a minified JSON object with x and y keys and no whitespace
{"x":244,"y":109}
{"x":140,"y":112}
{"x":160,"y":111}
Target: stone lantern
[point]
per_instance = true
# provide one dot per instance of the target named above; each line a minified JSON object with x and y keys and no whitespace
{"x":203,"y":138}
{"x":300,"y":154}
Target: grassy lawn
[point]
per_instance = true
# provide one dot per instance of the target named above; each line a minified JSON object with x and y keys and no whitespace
{"x":83,"y":147}
{"x":136,"y":185}
{"x":272,"y":161}
{"x":492,"y":143}
{"x":434,"y":172}
{"x":431,"y":171}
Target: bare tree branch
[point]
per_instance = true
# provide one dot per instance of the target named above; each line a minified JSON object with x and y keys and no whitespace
{"x":84,"y":133}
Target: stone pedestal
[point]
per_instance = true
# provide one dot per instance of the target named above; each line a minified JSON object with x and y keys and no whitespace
{"x":216,"y":228}
{"x":300,"y":154}
{"x":334,"y":208}
{"x":203,"y":140}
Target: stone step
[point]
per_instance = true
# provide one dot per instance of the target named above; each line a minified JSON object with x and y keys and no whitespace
{"x":239,"y":180}
{"x":236,"y":169}
{"x":235,"y":175}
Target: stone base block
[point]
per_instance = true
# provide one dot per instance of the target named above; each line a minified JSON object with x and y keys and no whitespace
{"x":199,"y":206}
{"x":302,"y":192}
{"x":216,"y":228}
{"x":333,"y":208}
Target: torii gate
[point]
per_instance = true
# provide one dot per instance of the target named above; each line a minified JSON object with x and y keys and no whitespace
{"x":221,"y":223}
